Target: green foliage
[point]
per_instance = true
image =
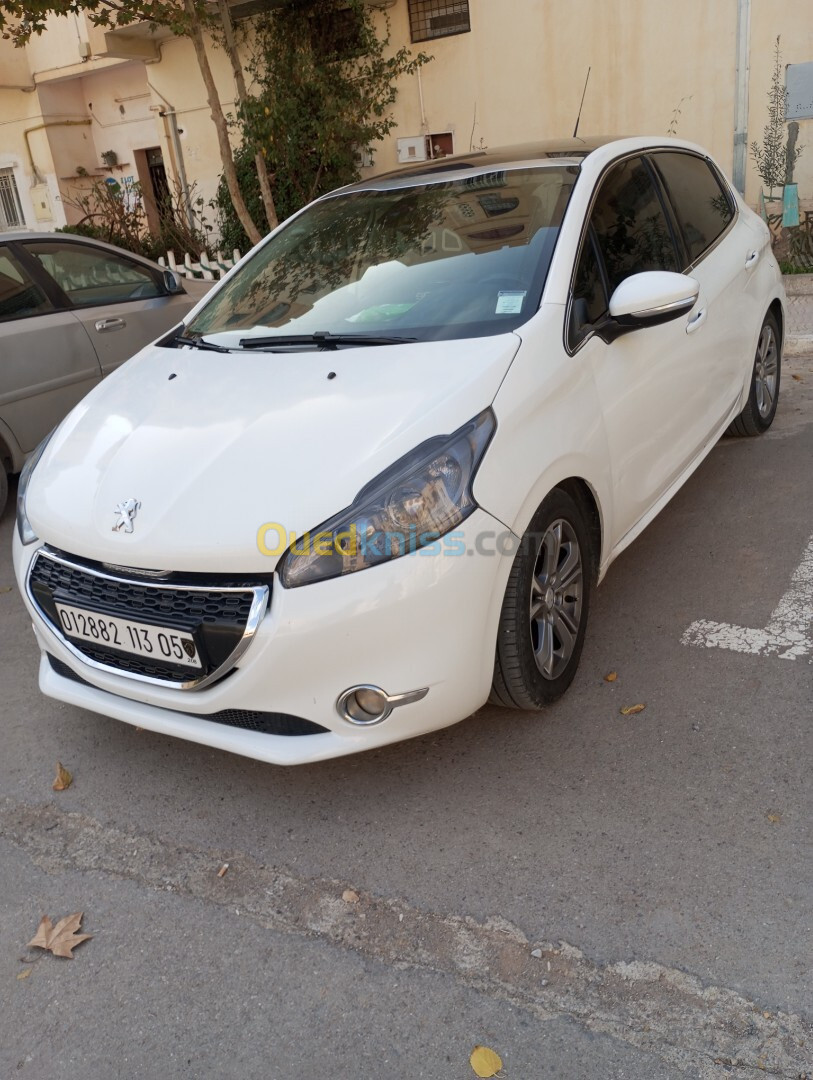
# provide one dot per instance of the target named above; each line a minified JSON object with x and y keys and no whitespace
{"x":324,"y":88}
{"x":115,"y":213}
{"x":19,"y":19}
{"x":774,"y":159}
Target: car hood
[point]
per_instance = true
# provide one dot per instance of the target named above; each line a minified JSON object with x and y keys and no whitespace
{"x":214,"y":446}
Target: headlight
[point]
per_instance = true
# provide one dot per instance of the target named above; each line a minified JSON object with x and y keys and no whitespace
{"x":411,"y":504}
{"x":27,"y":534}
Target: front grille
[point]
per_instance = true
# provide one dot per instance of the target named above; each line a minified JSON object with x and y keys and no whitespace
{"x":268,"y":723}
{"x":220,"y":618}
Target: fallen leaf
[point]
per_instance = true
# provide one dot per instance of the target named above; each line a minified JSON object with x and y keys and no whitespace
{"x":611,"y":676}
{"x":223,"y":869}
{"x":798,"y":378}
{"x":60,"y":939}
{"x":5,"y":588}
{"x":774,"y":818}
{"x":63,"y":780}
{"x":350,"y":896}
{"x":631,"y":710}
{"x":484,"y":1061}
{"x":24,"y":974}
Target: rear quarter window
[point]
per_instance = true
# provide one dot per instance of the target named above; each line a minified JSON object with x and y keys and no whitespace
{"x":702,"y":206}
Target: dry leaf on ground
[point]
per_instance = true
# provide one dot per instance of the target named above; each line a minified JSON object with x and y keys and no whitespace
{"x":350,"y":896}
{"x":631,"y":710}
{"x":24,"y":974}
{"x":484,"y":1061}
{"x":6,"y":588}
{"x":798,"y":378}
{"x":61,"y":939}
{"x":611,"y":676}
{"x":774,"y":818}
{"x":64,"y":779}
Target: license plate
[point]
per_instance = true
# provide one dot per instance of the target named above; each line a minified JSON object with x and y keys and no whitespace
{"x":135,"y":638}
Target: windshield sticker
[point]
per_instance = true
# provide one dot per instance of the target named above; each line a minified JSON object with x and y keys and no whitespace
{"x":509,"y":303}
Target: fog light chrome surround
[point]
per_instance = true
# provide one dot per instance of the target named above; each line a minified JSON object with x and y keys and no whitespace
{"x":365,"y":705}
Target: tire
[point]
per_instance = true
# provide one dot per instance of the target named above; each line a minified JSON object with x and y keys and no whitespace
{"x":3,"y":489}
{"x":543,"y":618}
{"x":763,"y":396}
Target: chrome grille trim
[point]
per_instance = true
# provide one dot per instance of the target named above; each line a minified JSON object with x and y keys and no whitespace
{"x":258,"y":608}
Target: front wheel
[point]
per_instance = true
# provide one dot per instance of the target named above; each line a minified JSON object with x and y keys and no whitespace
{"x":3,"y":488}
{"x":544,"y":612}
{"x":763,"y":397}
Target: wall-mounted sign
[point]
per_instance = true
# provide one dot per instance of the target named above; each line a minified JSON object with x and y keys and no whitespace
{"x":799,"y":83}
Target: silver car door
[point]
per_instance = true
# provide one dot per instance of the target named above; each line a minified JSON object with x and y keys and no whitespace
{"x":47,"y":361}
{"x":122,"y":303}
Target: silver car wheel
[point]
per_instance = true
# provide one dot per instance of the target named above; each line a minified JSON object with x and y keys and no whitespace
{"x":556,"y":598}
{"x":766,"y":370}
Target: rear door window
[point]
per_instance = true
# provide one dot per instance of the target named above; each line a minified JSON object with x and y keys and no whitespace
{"x":20,"y":296}
{"x":702,"y":207}
{"x":90,"y":276}
{"x":630,"y":224}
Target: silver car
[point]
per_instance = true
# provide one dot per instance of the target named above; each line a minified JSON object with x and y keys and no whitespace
{"x":71,"y":310}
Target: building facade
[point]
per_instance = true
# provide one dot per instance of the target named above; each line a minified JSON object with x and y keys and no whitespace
{"x":129,"y":104}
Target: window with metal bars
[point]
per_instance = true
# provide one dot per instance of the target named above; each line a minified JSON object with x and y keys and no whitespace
{"x":11,"y":212}
{"x":438,"y":18}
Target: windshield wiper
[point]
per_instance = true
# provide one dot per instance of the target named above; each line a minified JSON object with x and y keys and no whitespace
{"x":323,"y":339}
{"x":195,"y":343}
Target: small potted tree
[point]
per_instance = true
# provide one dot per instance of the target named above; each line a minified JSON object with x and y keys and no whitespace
{"x":777,"y":155}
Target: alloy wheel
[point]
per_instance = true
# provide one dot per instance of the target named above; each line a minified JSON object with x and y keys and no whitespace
{"x":556,"y":598}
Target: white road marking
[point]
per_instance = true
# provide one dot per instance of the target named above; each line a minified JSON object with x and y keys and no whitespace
{"x":789,"y":630}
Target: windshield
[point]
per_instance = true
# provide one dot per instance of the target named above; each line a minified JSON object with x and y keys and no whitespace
{"x":450,"y":259}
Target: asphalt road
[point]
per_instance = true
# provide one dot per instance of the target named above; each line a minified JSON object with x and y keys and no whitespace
{"x":659,"y":864}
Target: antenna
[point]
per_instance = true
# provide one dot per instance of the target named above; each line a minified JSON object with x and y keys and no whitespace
{"x":578,"y":118}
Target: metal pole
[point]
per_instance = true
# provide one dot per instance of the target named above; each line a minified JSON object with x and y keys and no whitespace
{"x":741,"y":98}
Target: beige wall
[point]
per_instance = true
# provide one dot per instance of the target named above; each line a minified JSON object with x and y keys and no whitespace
{"x":517,"y":76}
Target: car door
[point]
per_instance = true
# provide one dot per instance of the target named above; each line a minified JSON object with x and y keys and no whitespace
{"x":645,"y":379}
{"x":720,"y":255}
{"x":122,"y":303}
{"x":47,"y":360}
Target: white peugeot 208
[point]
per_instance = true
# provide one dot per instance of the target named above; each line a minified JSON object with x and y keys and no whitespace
{"x":375,"y":476}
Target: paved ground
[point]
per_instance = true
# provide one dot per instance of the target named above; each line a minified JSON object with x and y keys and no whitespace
{"x":660,"y":865}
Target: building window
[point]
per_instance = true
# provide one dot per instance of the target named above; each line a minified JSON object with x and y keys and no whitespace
{"x":438,"y":18}
{"x":11,"y":213}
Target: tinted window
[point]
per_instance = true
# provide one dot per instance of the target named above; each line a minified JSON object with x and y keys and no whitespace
{"x":701,"y":206}
{"x":19,"y":294}
{"x":94,"y":276}
{"x":631,"y":227}
{"x":589,"y":297}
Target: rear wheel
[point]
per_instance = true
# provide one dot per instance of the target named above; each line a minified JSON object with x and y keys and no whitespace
{"x":763,"y":397}
{"x":544,"y":612}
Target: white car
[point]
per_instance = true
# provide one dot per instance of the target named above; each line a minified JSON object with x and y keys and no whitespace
{"x":375,"y":476}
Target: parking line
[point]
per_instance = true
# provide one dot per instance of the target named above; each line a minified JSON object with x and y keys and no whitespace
{"x":788,"y":633}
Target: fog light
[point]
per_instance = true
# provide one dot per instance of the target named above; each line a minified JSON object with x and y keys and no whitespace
{"x":366,"y":705}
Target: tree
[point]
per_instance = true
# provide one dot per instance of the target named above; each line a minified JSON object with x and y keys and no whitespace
{"x":19,"y":19}
{"x":323,"y":89}
{"x":775,"y":158}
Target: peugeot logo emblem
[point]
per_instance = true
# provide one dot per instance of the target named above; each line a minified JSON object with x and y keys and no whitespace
{"x":126,"y":511}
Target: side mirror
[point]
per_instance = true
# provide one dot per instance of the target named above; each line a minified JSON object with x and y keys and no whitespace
{"x":172,"y":283}
{"x":648,"y":299}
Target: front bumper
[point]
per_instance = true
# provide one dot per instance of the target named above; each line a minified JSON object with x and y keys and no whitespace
{"x":426,"y":620}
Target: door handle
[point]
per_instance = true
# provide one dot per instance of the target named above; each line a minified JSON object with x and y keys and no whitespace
{"x":696,"y":321}
{"x":103,"y":325}
{"x":751,"y":260}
